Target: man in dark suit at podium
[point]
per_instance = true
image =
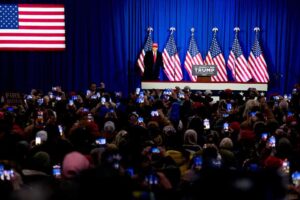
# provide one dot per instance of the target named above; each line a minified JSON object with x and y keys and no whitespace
{"x":152,"y":62}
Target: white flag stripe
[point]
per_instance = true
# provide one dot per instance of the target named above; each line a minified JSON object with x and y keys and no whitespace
{"x":264,"y":67}
{"x":42,"y":23}
{"x":244,"y":64}
{"x":33,"y":45}
{"x":166,"y":65}
{"x":40,"y":9}
{"x":31,"y":31}
{"x":32,"y":38}
{"x":41,"y":17}
{"x":256,"y":71}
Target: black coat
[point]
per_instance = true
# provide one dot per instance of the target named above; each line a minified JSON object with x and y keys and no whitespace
{"x":152,"y":69}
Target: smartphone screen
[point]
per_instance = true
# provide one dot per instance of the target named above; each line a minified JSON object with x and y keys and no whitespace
{"x":154,"y":113}
{"x":296,"y":178}
{"x":155,"y":150}
{"x":38,"y":141}
{"x":56,"y":171}
{"x":60,"y":129}
{"x":152,"y":179}
{"x":272,"y":141}
{"x":101,"y":141}
{"x":286,"y":166}
{"x":206,"y":124}
{"x":225,"y":126}
{"x":198,"y":162}
{"x":71,"y":102}
{"x":228,"y":107}
{"x":264,"y":136}
{"x":140,"y":120}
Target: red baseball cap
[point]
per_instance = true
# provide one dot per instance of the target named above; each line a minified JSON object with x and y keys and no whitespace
{"x":155,"y":45}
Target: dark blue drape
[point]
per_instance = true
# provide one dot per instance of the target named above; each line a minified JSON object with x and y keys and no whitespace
{"x":104,"y":39}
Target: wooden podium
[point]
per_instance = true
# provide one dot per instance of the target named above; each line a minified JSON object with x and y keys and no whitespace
{"x":203,"y":79}
{"x":204,"y":72}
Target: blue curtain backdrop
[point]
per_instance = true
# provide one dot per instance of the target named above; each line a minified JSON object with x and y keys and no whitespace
{"x":104,"y":39}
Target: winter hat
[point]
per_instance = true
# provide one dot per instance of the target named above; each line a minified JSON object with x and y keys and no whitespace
{"x":273,"y":162}
{"x":226,"y":143}
{"x":74,"y":163}
{"x":109,"y":126}
{"x":43,"y":135}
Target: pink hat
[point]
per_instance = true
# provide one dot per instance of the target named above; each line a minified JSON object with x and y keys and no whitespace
{"x":74,"y":163}
{"x":155,"y":45}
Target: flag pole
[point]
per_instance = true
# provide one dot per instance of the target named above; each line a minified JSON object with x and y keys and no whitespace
{"x":236,"y":30}
{"x":172,"y":29}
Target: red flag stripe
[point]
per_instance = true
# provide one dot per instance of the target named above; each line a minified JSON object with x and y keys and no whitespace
{"x":41,"y":5}
{"x":40,"y":13}
{"x":31,"y":42}
{"x":41,"y":20}
{"x":34,"y":34}
{"x":42,"y":27}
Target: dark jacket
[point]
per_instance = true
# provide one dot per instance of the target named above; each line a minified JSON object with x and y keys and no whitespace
{"x":152,"y":69}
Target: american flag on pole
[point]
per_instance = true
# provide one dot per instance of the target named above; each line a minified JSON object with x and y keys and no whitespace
{"x":193,"y":57}
{"x":32,"y":27}
{"x":237,"y":62}
{"x":147,"y":47}
{"x":171,"y":59}
{"x":215,"y":57}
{"x":257,"y":63}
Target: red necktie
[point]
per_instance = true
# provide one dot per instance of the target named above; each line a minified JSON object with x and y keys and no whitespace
{"x":154,"y":57}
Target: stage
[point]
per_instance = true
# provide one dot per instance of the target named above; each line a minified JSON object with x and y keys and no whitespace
{"x":204,"y":86}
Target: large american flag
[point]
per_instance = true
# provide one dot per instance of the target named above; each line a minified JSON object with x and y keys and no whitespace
{"x":171,"y":60}
{"x":238,"y":63}
{"x":257,"y":63}
{"x":147,"y":47}
{"x":215,"y":57}
{"x":32,"y":27}
{"x":193,"y":57}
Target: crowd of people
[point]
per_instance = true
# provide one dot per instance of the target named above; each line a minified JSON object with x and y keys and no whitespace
{"x":152,"y":144}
